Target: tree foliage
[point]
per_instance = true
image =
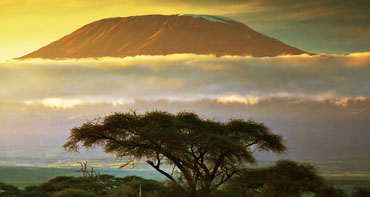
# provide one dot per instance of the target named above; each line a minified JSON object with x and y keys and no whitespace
{"x":330,"y":191}
{"x":62,"y":183}
{"x":361,"y":192}
{"x":8,"y":190}
{"x":105,"y":185}
{"x":207,"y":153}
{"x":284,"y":178}
{"x":74,"y":193}
{"x":122,"y":191}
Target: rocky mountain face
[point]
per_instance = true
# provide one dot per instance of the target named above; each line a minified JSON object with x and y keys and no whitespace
{"x":162,"y":35}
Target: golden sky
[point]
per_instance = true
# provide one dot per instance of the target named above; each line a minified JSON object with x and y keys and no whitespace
{"x":328,"y":26}
{"x":27,"y":25}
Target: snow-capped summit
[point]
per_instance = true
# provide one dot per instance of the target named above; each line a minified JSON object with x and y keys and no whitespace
{"x":213,"y":18}
{"x":162,"y":35}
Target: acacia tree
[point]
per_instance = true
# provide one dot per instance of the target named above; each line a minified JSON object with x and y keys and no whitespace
{"x":207,"y":153}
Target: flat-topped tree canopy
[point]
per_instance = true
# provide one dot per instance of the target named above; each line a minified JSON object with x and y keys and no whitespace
{"x":206,"y":152}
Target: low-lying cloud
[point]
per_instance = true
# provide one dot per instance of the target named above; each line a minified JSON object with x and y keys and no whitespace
{"x":186,"y":77}
{"x":312,"y":129}
{"x":320,"y":104}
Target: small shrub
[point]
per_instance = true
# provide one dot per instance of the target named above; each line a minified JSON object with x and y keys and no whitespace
{"x":361,"y":192}
{"x":121,"y":191}
{"x":74,"y":193}
{"x":8,"y":190}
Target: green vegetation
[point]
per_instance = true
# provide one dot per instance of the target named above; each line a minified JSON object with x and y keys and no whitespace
{"x":8,"y":190}
{"x":21,"y":176}
{"x":26,"y":176}
{"x":361,"y":192}
{"x":330,"y":191}
{"x":102,"y":185}
{"x":286,"y":178}
{"x":207,"y":153}
{"x":74,"y":193}
{"x":209,"y":158}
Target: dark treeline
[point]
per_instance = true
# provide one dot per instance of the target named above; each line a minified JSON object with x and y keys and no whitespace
{"x":285,"y":178}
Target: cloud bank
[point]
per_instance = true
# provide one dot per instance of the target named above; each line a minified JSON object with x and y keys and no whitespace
{"x":320,"y":104}
{"x":186,"y":77}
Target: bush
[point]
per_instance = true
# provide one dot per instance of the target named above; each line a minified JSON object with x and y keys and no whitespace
{"x":361,"y":192}
{"x":285,"y":177}
{"x":121,"y":191}
{"x":130,"y":187}
{"x":8,"y":190}
{"x":104,"y":185}
{"x":330,"y":191}
{"x":74,"y":193}
{"x":32,"y":191}
{"x":62,"y":183}
{"x":173,"y":190}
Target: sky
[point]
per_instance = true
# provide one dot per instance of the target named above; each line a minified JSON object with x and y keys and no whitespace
{"x":327,"y":26}
{"x":319,"y":103}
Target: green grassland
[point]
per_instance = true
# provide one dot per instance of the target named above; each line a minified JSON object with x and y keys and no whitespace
{"x":26,"y":176}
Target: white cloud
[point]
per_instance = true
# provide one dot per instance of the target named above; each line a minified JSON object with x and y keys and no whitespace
{"x":184,"y":77}
{"x":238,"y":99}
{"x":56,"y":103}
{"x":69,"y":103}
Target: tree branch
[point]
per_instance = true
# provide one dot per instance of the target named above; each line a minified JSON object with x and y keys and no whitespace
{"x":252,"y":143}
{"x":228,"y":176}
{"x":161,"y":171}
{"x":200,"y":163}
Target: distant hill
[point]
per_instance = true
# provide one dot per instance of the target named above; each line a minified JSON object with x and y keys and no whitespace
{"x":162,"y":35}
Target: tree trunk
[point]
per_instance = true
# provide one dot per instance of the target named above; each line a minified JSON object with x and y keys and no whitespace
{"x":206,"y":190}
{"x":193,"y":191}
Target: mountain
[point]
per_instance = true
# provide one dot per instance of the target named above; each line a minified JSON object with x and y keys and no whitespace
{"x":162,"y":35}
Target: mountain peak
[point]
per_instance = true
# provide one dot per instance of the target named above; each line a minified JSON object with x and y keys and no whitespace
{"x":163,"y":35}
{"x":213,"y":18}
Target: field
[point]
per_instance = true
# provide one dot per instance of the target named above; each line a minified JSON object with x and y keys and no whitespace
{"x":341,"y":174}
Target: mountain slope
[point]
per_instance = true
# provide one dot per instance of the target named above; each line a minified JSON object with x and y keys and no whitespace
{"x":162,"y":35}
